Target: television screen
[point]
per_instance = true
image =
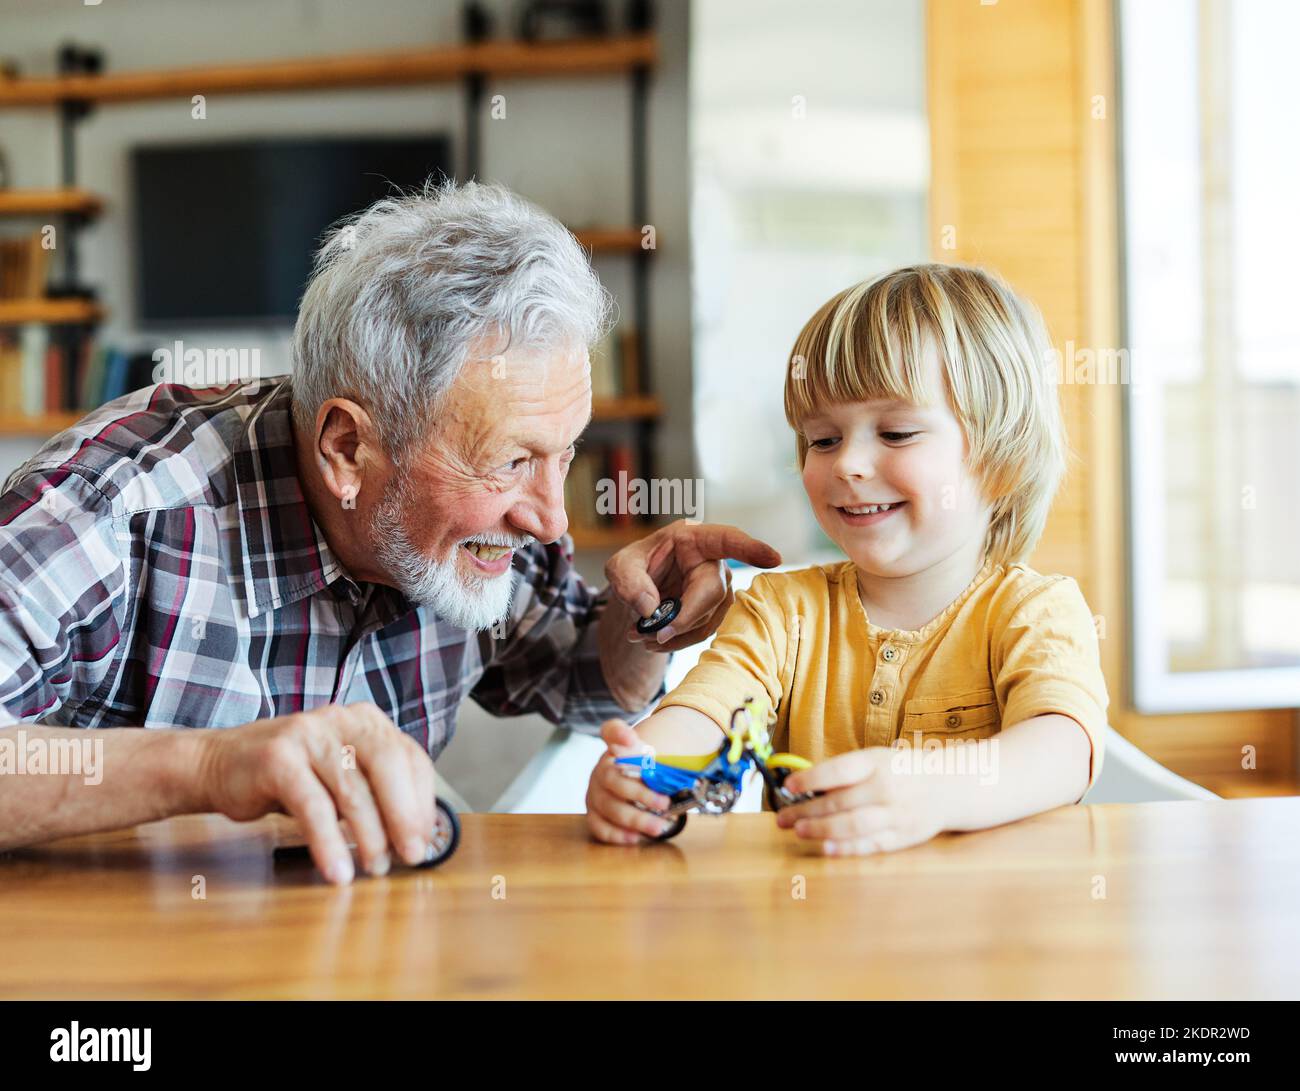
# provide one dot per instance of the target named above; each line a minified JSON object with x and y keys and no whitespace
{"x":226,"y":231}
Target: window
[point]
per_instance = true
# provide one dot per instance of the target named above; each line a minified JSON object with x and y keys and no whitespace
{"x":1211,"y":167}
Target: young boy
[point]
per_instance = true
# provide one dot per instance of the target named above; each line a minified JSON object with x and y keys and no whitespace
{"x":930,"y":441}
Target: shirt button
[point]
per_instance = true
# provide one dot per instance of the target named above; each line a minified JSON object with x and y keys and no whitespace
{"x":953,"y":720}
{"x":877,"y":697}
{"x":888,"y":655}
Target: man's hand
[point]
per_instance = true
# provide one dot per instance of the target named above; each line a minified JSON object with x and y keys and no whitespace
{"x":683,"y":561}
{"x":337,"y":761}
{"x":612,"y":795}
{"x":867,"y":806}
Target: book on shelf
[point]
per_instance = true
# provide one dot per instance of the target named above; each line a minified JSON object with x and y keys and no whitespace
{"x":614,"y":369}
{"x":23,"y":351}
{"x":619,"y":461}
{"x":62,"y":369}
{"x":592,"y":497}
{"x":24,"y":265}
{"x":11,"y":375}
{"x":630,"y":362}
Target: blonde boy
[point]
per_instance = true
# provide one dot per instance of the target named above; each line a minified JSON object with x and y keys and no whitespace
{"x":930,"y":442}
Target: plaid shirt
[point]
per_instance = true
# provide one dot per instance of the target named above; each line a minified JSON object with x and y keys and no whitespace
{"x":159,"y":567}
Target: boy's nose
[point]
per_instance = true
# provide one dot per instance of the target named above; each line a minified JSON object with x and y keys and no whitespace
{"x":855,"y":464}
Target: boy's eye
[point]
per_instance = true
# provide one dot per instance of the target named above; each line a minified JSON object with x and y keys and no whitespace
{"x":823,"y":444}
{"x":897,"y":437}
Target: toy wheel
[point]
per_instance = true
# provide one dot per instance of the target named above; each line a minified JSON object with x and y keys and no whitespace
{"x":777,"y":777}
{"x":446,"y":834}
{"x":678,"y":825}
{"x":714,"y":797}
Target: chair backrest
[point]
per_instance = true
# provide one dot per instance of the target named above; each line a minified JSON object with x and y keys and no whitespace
{"x":1128,"y":775}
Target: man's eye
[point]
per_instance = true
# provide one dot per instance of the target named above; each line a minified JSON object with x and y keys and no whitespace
{"x":897,"y":437}
{"x":514,"y":464}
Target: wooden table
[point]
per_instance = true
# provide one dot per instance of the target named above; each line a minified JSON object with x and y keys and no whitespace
{"x":1159,"y":900}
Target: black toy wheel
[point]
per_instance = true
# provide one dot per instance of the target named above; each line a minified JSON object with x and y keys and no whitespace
{"x":774,"y":779}
{"x":679,"y":824}
{"x":446,"y":834}
{"x":662,"y":617}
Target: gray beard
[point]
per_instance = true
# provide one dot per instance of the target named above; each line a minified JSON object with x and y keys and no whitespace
{"x":478,"y":603}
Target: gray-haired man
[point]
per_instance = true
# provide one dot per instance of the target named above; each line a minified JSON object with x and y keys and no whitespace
{"x":309,"y":562}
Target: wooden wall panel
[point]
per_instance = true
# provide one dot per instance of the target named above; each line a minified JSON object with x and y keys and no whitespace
{"x":1024,"y":182}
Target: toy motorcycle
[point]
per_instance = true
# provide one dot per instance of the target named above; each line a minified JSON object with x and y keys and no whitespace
{"x":711,"y":783}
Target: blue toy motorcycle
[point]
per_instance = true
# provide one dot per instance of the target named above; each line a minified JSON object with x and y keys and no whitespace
{"x":712,"y":783}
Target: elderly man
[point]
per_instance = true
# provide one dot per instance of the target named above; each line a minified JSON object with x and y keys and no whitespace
{"x":309,"y":563}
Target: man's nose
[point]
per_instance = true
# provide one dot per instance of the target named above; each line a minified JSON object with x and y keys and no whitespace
{"x":541,"y":511}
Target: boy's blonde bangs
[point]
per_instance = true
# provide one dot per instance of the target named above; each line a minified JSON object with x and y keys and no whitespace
{"x":867,"y":343}
{"x":853,"y":350}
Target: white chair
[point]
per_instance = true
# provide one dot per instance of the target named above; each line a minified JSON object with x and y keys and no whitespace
{"x":1130,"y":776}
{"x":555,"y":780}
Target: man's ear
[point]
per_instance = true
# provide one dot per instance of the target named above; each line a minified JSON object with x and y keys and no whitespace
{"x":347,"y":451}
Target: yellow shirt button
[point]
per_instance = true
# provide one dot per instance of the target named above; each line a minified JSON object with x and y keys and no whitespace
{"x":953,"y":720}
{"x":888,"y":655}
{"x":877,"y":697}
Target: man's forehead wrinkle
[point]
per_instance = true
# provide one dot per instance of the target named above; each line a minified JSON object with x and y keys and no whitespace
{"x":531,"y":394}
{"x":533,"y":441}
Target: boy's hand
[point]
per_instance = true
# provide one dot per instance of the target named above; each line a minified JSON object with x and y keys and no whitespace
{"x":867,"y":806}
{"x":612,"y":794}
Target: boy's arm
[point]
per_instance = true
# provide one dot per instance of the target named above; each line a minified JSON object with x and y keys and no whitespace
{"x":1047,"y":667}
{"x":1032,"y":766}
{"x":743,"y":661}
{"x":868,"y":802}
{"x":678,"y":729}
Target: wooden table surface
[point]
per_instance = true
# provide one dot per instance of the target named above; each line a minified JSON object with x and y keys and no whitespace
{"x":1156,"y":900}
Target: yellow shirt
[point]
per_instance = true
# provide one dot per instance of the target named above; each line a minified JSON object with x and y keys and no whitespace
{"x":1014,"y":644}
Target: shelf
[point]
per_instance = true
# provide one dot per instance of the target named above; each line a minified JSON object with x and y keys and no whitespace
{"x":39,"y":202}
{"x":14,"y":312}
{"x":609,"y":537}
{"x":48,"y":424}
{"x":641,"y":407}
{"x":586,"y":57}
{"x":610,"y":240}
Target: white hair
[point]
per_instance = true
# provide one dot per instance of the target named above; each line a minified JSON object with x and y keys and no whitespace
{"x":401,"y":291}
{"x":477,"y":603}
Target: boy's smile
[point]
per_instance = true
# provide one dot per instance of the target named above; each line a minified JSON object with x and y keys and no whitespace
{"x":869,"y":514}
